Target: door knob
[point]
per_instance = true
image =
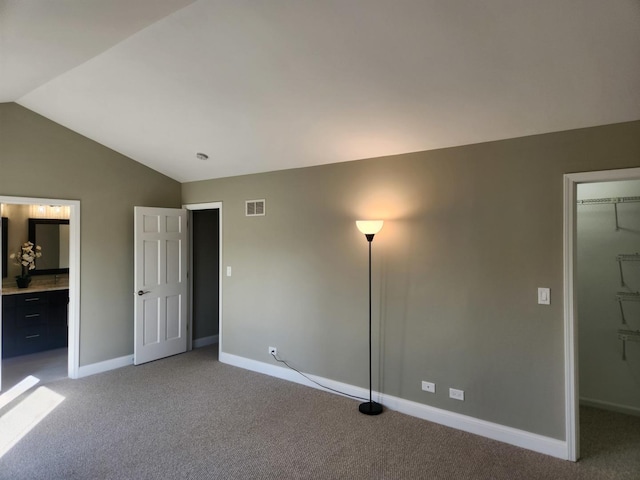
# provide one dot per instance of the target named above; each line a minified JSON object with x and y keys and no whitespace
{"x":141,"y":292}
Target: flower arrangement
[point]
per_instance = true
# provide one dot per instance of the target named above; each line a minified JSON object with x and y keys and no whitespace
{"x":26,"y":258}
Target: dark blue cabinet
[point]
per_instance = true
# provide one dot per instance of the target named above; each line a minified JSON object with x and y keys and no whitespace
{"x":33,"y":322}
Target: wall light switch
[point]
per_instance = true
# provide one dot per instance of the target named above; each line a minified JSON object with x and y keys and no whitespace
{"x":544,"y":296}
{"x":228,"y":271}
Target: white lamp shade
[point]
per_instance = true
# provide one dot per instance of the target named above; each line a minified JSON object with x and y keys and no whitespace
{"x":369,"y":227}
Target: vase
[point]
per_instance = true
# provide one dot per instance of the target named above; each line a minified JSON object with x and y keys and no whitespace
{"x":23,"y":282}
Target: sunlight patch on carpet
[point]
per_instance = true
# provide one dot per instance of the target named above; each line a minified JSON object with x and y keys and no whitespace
{"x":22,"y":418}
{"x":17,"y":390}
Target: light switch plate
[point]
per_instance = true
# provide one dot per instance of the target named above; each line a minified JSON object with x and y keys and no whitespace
{"x":544,"y":296}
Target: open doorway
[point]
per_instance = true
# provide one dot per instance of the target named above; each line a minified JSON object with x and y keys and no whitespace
{"x":608,"y":308}
{"x":205,"y":230}
{"x":602,"y":363}
{"x":40,"y":333}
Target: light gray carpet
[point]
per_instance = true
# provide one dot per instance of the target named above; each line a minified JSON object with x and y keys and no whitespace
{"x":191,"y":417}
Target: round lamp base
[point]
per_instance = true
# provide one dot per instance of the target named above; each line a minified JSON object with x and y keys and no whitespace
{"x":370,"y":408}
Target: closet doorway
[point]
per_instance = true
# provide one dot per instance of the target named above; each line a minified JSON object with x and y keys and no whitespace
{"x":205,"y":231}
{"x":601,"y":233}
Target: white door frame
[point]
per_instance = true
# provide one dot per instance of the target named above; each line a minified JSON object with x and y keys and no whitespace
{"x":572,"y":398}
{"x":205,"y":206}
{"x":73,"y":362}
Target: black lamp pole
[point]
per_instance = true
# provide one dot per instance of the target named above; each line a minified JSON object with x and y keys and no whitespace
{"x":370,"y":407}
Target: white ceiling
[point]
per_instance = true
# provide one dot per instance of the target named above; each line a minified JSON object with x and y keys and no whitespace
{"x":263,"y":85}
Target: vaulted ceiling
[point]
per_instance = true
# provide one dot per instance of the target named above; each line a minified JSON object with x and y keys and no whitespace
{"x":261,"y":85}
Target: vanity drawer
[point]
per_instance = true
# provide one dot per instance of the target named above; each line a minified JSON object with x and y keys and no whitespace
{"x":31,"y":340}
{"x":24,"y":341}
{"x":36,"y":298}
{"x":30,"y":315}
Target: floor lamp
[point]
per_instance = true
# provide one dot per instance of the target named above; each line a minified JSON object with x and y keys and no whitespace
{"x":370,"y":228}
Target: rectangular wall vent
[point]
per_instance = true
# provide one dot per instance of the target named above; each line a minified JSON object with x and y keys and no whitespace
{"x":255,"y":208}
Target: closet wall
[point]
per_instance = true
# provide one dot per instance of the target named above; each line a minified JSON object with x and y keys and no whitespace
{"x":609,"y":369}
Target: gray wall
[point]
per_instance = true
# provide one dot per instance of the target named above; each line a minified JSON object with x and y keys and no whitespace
{"x":469,"y":235}
{"x":605,"y":378}
{"x":39,"y":158}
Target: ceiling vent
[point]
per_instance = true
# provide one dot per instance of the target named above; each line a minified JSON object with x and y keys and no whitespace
{"x":255,"y":208}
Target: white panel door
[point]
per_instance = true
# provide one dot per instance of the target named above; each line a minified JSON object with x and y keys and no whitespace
{"x":160,"y":271}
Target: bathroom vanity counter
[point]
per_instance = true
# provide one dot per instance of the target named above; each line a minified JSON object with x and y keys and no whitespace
{"x":45,"y":287}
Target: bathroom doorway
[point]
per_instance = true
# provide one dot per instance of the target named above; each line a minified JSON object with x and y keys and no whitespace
{"x":46,"y":341}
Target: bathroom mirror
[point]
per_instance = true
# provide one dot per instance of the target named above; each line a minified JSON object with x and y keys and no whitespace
{"x":5,"y":239}
{"x":53,"y":236}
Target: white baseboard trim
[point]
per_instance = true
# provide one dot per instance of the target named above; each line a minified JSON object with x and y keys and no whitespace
{"x":614,"y":407}
{"x":204,"y":341}
{"x":288,"y":374}
{"x":93,"y":368}
{"x":99,"y":367}
{"x":513,"y":436}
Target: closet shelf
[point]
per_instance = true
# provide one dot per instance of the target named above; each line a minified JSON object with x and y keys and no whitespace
{"x":626,"y":257}
{"x":626,"y":297}
{"x":609,"y":201}
{"x":627,"y":336}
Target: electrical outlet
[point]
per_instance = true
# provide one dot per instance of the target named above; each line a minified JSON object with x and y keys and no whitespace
{"x":429,"y":387}
{"x":273,"y":351}
{"x":456,"y":394}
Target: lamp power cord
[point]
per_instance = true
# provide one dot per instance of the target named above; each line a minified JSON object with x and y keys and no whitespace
{"x":317,"y":383}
